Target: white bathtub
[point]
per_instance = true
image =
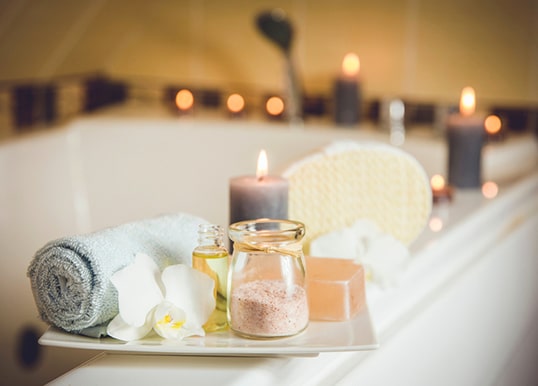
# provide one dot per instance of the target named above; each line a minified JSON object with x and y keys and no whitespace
{"x":102,"y":171}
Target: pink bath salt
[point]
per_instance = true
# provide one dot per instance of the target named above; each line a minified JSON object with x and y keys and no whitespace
{"x":268,"y":308}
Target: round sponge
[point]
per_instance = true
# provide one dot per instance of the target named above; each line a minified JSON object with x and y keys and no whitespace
{"x":346,"y":181}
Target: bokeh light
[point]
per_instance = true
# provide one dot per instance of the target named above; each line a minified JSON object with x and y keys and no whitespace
{"x":184,"y":100}
{"x":490,"y":189}
{"x":437,"y":182}
{"x":351,"y":64}
{"x":235,"y":103}
{"x":493,"y":124}
{"x":436,"y":224}
{"x":274,"y":106}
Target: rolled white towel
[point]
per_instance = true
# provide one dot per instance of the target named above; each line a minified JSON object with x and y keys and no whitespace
{"x":70,"y":277}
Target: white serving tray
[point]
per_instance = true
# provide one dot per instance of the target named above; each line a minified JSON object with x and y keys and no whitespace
{"x":356,"y":334}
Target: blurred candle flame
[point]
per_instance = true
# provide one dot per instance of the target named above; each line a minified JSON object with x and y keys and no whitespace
{"x":263,"y":168}
{"x":351,"y":65}
{"x":436,"y":224}
{"x":493,"y":124}
{"x":184,"y":100}
{"x":467,"y":101}
{"x":235,"y":103}
{"x":437,"y":182}
{"x":274,"y":106}
{"x":490,"y":189}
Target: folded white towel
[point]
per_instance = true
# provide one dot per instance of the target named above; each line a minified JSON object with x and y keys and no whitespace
{"x":70,"y":277}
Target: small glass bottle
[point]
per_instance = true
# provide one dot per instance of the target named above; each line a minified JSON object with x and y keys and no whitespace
{"x":267,"y":284}
{"x":211,"y":257}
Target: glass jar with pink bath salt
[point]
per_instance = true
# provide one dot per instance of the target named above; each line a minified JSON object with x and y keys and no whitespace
{"x":266,"y":284}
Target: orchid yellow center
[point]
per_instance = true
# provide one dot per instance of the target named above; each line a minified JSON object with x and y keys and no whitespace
{"x":168,"y":320}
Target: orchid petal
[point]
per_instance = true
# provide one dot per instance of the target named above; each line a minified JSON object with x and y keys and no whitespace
{"x":138,"y":290}
{"x":117,"y":328}
{"x":192,"y":291}
{"x":383,"y":256}
{"x":386,"y":257}
{"x":168,"y":322}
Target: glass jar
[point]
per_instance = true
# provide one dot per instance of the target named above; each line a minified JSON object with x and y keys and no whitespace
{"x":266,"y":283}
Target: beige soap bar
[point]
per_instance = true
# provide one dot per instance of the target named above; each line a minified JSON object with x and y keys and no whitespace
{"x":335,"y":288}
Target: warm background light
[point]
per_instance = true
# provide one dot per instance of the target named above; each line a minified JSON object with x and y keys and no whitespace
{"x":435,"y":224}
{"x":396,"y":62}
{"x":467,"y":101}
{"x":235,"y":103}
{"x":437,"y":182}
{"x":184,"y":100}
{"x":263,"y":165}
{"x":493,"y":124}
{"x":490,"y":189}
{"x":274,"y":106}
{"x":351,"y":65}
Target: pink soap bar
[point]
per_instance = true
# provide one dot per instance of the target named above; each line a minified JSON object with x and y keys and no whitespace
{"x":335,"y":288}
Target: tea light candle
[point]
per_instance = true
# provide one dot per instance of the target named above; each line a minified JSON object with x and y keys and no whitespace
{"x":184,"y":101}
{"x":260,"y":196}
{"x":347,"y":92}
{"x":493,"y":126}
{"x":274,"y":107}
{"x":440,"y":190}
{"x":465,"y":132}
{"x":236,"y":105}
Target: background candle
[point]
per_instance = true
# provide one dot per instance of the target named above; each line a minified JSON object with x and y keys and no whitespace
{"x":465,"y":132}
{"x":260,"y":196}
{"x":347,"y":93}
{"x":236,"y":105}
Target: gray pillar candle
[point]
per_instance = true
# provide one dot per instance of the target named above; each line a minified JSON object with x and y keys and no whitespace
{"x":260,"y":196}
{"x":347,"y":92}
{"x":346,"y":102}
{"x":465,"y":134}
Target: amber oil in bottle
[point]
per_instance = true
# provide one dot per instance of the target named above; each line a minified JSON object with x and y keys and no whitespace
{"x":211,"y":257}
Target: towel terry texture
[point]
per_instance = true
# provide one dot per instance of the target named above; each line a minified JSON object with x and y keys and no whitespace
{"x":70,"y":277}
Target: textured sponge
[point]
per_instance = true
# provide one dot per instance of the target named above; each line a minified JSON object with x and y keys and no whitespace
{"x":345,"y":181}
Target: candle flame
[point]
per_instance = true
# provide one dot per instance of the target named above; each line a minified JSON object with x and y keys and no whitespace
{"x":437,"y":182}
{"x":467,"y":101}
{"x":184,"y":99}
{"x":262,"y":169}
{"x":351,"y":65}
{"x":493,"y":124}
{"x":436,"y":224}
{"x":235,"y":103}
{"x":490,"y":189}
{"x":274,"y":106}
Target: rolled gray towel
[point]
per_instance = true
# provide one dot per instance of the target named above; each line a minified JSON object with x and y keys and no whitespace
{"x":70,"y":277}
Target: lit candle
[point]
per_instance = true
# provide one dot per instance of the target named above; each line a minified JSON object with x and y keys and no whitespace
{"x":236,"y":105}
{"x":347,"y":93}
{"x":465,"y":132}
{"x":259,"y":196}
{"x":493,"y":126}
{"x":184,"y":101}
{"x":490,"y":189}
{"x":274,"y":106}
{"x":440,"y":190}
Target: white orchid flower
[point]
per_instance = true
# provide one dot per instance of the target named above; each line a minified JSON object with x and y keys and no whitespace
{"x":175,"y":304}
{"x":383,"y":256}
